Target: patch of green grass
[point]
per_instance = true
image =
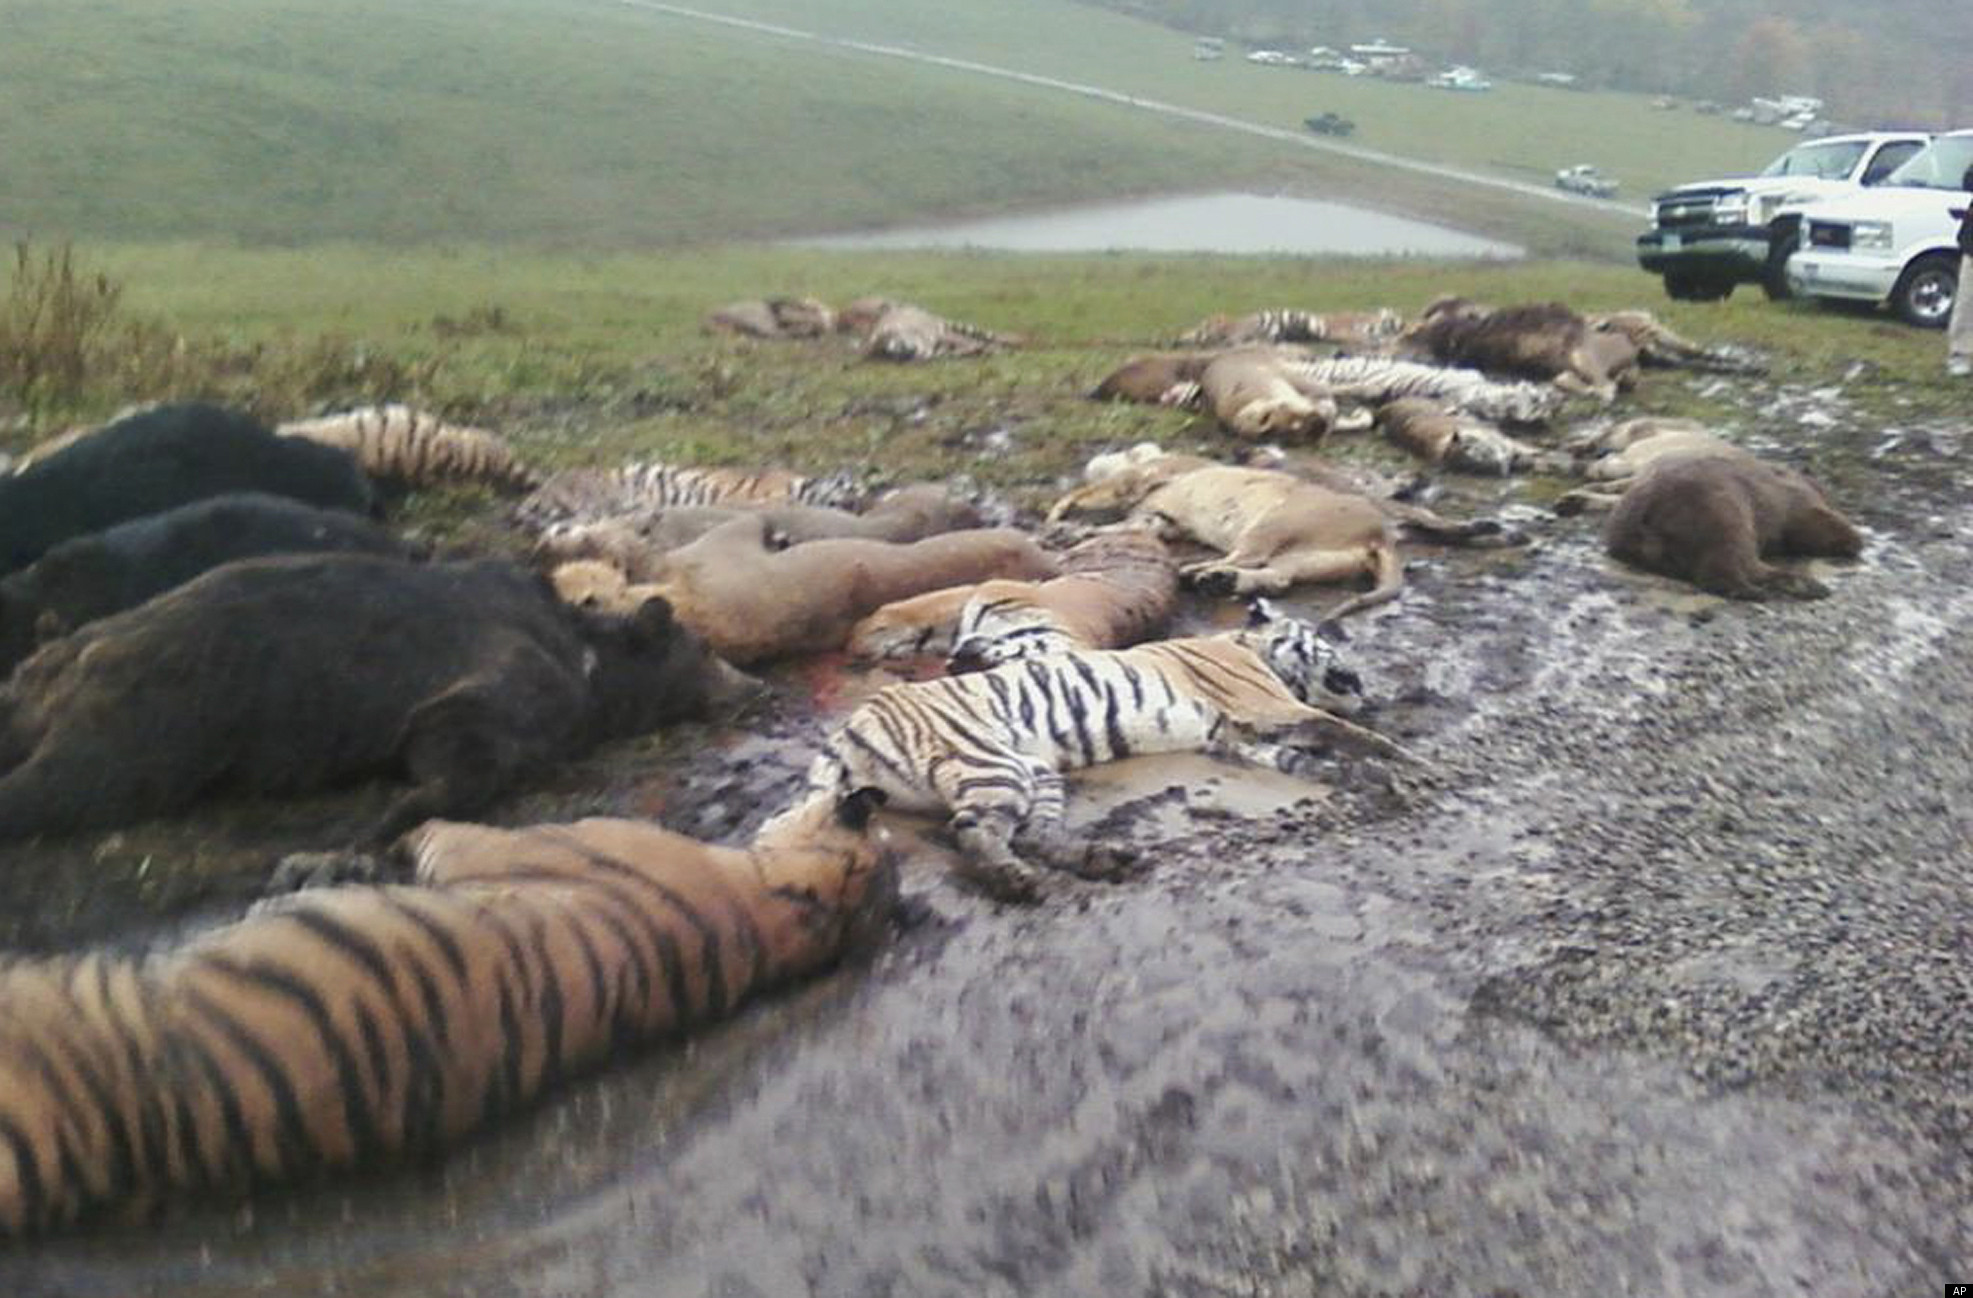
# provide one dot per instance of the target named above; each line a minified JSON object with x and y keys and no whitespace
{"x":600,"y":358}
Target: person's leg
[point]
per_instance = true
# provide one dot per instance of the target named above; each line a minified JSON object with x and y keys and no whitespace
{"x":1959,"y":334}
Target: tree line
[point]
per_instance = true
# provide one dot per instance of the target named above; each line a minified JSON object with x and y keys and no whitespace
{"x":1891,"y":63}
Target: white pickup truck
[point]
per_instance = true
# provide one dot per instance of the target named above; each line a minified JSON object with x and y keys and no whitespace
{"x":1710,"y":236}
{"x":1897,"y":243}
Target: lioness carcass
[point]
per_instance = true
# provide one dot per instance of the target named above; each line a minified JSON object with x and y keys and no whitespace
{"x":1116,"y":588}
{"x":637,"y":543}
{"x":1274,"y":530}
{"x":1438,"y":435}
{"x":753,"y":602}
{"x":1258,"y":394}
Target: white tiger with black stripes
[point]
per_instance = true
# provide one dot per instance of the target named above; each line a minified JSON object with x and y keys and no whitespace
{"x":991,"y":747}
{"x":1373,"y":380}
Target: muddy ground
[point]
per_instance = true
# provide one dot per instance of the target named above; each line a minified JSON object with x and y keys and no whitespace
{"x":1663,"y":987}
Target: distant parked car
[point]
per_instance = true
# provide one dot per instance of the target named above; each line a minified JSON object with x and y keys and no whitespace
{"x":1271,"y":58}
{"x":1460,"y":79}
{"x":1329,"y":124}
{"x":1708,"y":236}
{"x":1894,"y":243}
{"x":1586,"y":179}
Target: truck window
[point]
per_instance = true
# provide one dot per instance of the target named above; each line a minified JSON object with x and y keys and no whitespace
{"x":1889,"y":159}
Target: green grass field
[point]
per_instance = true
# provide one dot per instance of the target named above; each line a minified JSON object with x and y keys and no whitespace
{"x":583,"y":123}
{"x":594,"y":358}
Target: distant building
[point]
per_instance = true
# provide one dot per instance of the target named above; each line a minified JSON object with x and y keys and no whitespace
{"x":1380,"y":54}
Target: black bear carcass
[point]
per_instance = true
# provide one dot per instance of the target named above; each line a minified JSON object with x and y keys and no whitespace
{"x":159,"y":459}
{"x":90,"y":577}
{"x":302,"y":672}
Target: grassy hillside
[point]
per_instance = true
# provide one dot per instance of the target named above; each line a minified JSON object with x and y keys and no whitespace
{"x":587,"y":123}
{"x":300,"y":120}
{"x":1520,"y":131}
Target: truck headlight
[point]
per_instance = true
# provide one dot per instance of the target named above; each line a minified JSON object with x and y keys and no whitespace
{"x":1871,"y":236}
{"x":1730,"y":209}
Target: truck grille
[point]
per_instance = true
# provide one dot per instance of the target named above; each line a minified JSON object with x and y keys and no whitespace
{"x":1682,"y":213}
{"x":1828,"y":234}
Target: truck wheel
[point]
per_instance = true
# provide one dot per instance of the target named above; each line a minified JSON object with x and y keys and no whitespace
{"x":1774,"y":275}
{"x":1695,"y":288}
{"x":1925,"y":291}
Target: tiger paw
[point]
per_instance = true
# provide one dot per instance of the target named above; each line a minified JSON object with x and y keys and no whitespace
{"x":1003,"y":881}
{"x":1304,"y":762}
{"x":1107,"y":862}
{"x":1213,"y":581}
{"x":299,"y":870}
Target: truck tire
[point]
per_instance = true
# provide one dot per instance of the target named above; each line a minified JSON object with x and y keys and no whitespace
{"x":1924,"y":293}
{"x":1683,"y":286}
{"x":1774,"y":275}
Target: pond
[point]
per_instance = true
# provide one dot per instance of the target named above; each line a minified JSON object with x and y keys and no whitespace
{"x":1222,"y":223}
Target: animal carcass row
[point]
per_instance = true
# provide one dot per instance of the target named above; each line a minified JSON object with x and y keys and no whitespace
{"x":91,"y":577}
{"x":753,"y":602}
{"x":301,"y":672}
{"x":637,"y":543}
{"x":159,"y":459}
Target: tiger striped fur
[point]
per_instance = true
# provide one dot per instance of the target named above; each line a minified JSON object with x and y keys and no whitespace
{"x":410,"y":448}
{"x":594,"y":495}
{"x":1373,"y":380}
{"x":990,"y":747}
{"x":1356,"y":328}
{"x":353,"y":1025}
{"x":903,"y":332}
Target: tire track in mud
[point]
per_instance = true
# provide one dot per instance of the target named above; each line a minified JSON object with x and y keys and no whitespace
{"x":1197,"y":116}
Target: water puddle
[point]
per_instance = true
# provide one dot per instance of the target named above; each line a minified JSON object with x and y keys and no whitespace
{"x":1218,"y":223}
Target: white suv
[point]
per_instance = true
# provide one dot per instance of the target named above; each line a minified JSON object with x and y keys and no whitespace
{"x":1897,"y":243}
{"x":1711,"y":235}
